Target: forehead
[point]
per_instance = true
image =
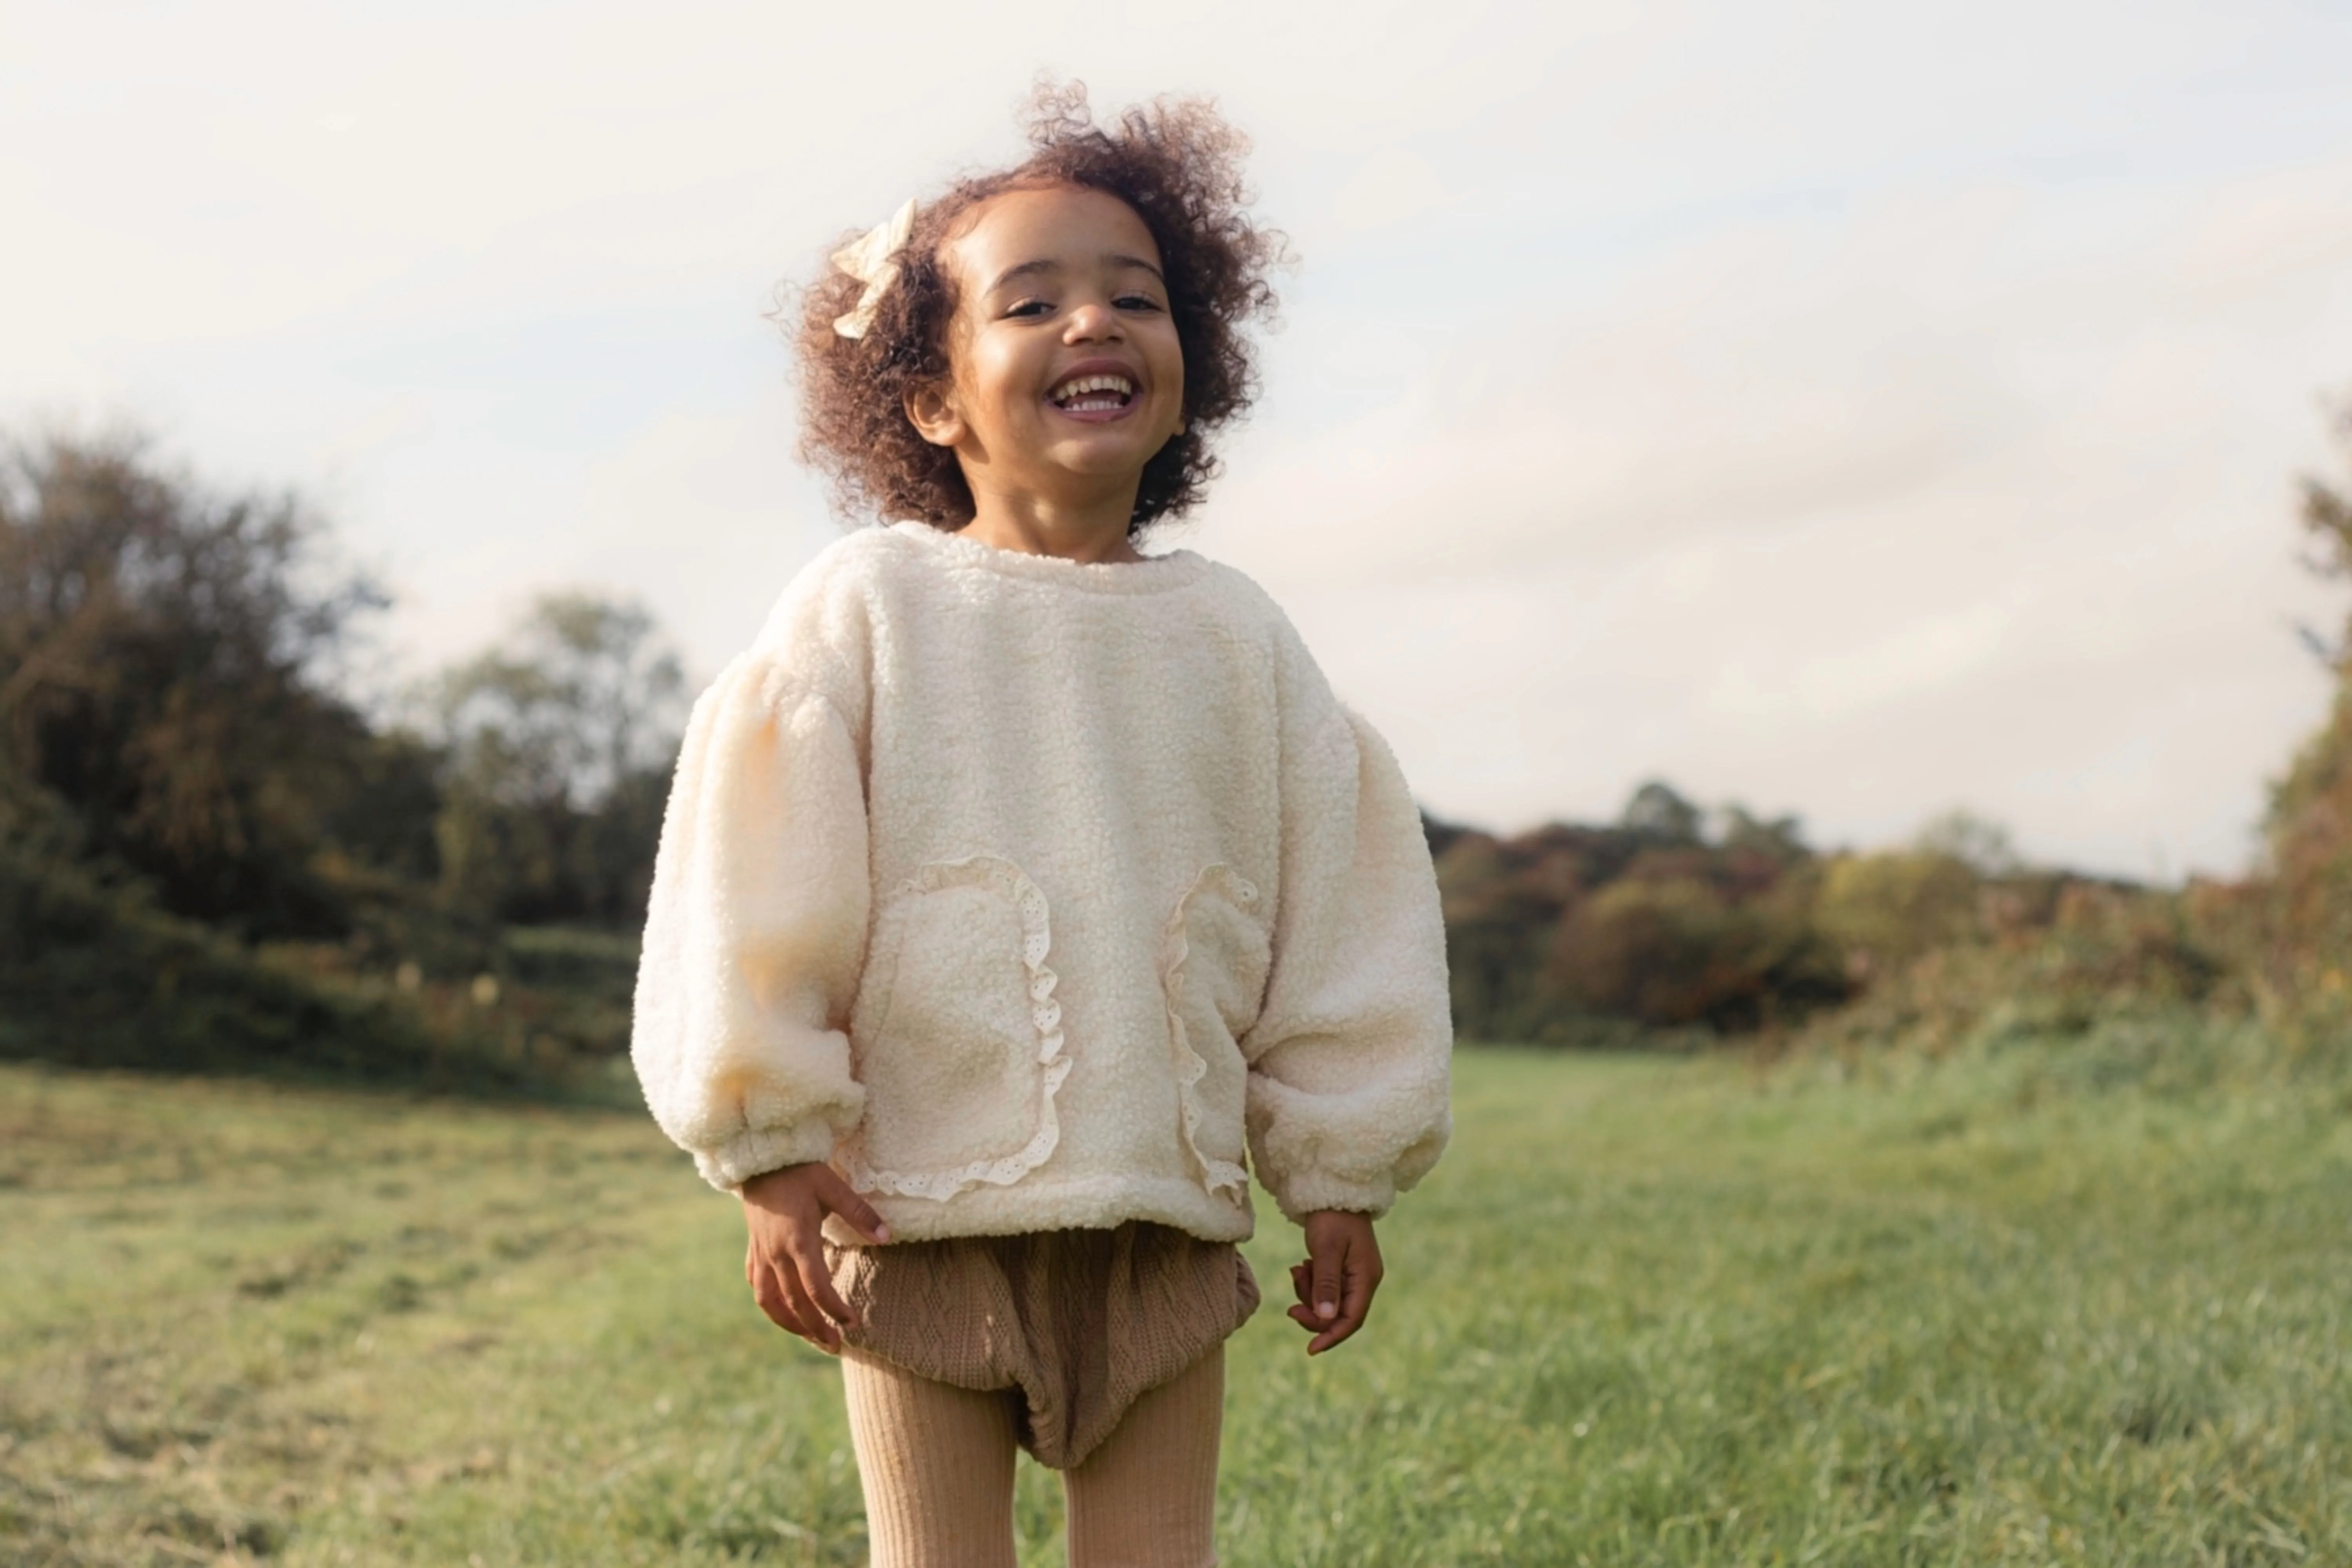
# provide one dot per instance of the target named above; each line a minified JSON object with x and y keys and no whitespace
{"x":1065,"y":224}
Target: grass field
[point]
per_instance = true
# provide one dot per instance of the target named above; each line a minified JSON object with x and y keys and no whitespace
{"x":1646,"y":1311}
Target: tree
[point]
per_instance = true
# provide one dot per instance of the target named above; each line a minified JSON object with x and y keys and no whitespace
{"x":558,"y":746}
{"x":2327,"y":517}
{"x":165,"y":662}
{"x":2309,"y":824}
{"x":1679,"y":951}
{"x":1659,"y":814}
{"x":1778,"y":838}
{"x":1980,"y":843}
{"x":1890,"y":908}
{"x":1668,"y":952}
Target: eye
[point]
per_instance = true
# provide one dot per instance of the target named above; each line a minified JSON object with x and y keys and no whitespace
{"x":1136,"y":303}
{"x":1030,"y":308}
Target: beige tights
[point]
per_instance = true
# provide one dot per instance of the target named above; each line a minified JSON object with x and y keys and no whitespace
{"x":937,"y":1465}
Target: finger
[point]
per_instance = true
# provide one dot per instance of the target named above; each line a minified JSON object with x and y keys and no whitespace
{"x":1329,"y":1260}
{"x":1333,"y":1333}
{"x":861,"y":1216}
{"x":1327,"y":1334}
{"x":1331,"y":1336}
{"x":1341,"y":1328}
{"x":1362,"y":1278}
{"x":1355,"y":1306}
{"x":815,"y":1327}
{"x":1300,"y":1283}
{"x":768,"y":1289}
{"x":817,"y":1280}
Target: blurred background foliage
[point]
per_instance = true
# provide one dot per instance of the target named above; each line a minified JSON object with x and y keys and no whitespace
{"x":214,"y":857}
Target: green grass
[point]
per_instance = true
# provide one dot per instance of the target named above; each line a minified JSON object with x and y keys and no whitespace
{"x":1646,"y":1312}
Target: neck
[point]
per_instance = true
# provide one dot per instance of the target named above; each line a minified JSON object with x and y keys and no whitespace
{"x":1091,"y":527}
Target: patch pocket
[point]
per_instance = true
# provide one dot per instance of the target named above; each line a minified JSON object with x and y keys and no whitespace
{"x":1214,"y":960}
{"x":956,"y":1035}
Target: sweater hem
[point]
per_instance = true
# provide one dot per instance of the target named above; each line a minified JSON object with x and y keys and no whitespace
{"x":1040,"y":1202}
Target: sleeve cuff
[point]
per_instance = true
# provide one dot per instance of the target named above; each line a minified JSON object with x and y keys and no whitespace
{"x":751,"y":1155}
{"x":1311,"y":1191}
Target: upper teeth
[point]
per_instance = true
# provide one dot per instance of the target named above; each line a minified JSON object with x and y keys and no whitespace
{"x":1080,"y":385}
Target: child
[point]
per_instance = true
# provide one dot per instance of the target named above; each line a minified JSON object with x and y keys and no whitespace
{"x":1018,"y":889}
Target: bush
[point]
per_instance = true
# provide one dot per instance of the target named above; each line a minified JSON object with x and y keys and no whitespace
{"x":97,"y":975}
{"x":1662,"y":952}
{"x":1888,"y":910}
{"x":2310,"y":853}
{"x":1677,"y":951}
{"x":1635,"y":933}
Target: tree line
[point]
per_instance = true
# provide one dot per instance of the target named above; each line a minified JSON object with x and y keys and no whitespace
{"x":172,"y":705}
{"x":211,"y":850}
{"x":190,"y":794}
{"x":1677,"y":923}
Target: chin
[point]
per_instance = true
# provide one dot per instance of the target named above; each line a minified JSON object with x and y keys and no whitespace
{"x":1093,"y":462}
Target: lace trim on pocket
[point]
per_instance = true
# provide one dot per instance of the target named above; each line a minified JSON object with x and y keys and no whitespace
{"x":1037,"y":938}
{"x":1217,"y":1175}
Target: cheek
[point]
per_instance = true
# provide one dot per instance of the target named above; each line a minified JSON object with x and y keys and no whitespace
{"x":1168,"y":350}
{"x":992,"y":376}
{"x":1170,"y":366}
{"x":969,"y":379}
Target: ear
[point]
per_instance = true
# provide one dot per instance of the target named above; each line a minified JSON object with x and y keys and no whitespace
{"x":931,"y":410}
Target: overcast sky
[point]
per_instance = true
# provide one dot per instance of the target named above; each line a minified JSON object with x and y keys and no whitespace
{"x":1850,"y":409}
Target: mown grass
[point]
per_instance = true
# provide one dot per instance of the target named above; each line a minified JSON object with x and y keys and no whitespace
{"x":1646,"y":1311}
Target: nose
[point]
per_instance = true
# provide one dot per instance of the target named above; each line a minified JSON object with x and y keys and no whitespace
{"x":1091,"y":321}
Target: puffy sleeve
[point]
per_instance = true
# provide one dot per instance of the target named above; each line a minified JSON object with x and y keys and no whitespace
{"x":1348,"y":1089}
{"x":756,"y":929}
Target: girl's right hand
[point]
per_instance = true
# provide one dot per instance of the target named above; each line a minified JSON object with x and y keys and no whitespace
{"x":786,"y":1211}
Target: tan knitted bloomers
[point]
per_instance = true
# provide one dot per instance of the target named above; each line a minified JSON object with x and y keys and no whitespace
{"x":1082,"y":1321}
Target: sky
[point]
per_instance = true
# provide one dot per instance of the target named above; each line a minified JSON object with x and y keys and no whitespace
{"x":1847,"y":409}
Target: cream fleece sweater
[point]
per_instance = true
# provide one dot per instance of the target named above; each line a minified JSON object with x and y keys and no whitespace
{"x":1031,"y":893}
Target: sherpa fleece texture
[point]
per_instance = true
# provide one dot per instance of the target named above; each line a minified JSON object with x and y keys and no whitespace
{"x":1029,"y":892}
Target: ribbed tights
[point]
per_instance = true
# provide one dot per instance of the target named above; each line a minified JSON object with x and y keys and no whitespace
{"x":936,"y":1462}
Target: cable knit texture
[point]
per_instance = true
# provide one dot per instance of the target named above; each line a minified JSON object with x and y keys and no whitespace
{"x":1042,"y":895}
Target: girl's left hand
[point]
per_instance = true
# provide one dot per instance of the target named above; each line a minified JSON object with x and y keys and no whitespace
{"x":1335,"y":1285}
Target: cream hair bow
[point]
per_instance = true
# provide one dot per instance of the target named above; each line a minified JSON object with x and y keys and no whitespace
{"x":872,"y":260}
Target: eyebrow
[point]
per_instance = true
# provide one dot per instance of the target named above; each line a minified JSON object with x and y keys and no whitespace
{"x":1031,"y":268}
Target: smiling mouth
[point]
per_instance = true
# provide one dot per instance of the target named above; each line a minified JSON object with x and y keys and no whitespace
{"x":1092,"y":394}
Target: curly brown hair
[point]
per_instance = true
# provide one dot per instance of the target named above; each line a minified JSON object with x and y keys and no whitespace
{"x":1179,"y":165}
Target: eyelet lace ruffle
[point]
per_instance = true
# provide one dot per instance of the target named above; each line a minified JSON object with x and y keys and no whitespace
{"x":1006,"y":878}
{"x":1217,"y":1175}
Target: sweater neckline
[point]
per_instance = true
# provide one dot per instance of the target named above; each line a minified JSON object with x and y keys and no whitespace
{"x":1152,"y":574}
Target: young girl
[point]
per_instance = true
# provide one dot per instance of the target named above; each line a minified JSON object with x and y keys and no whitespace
{"x":1019,"y":890}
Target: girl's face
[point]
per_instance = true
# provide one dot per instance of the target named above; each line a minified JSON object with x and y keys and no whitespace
{"x":1067,"y":373}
